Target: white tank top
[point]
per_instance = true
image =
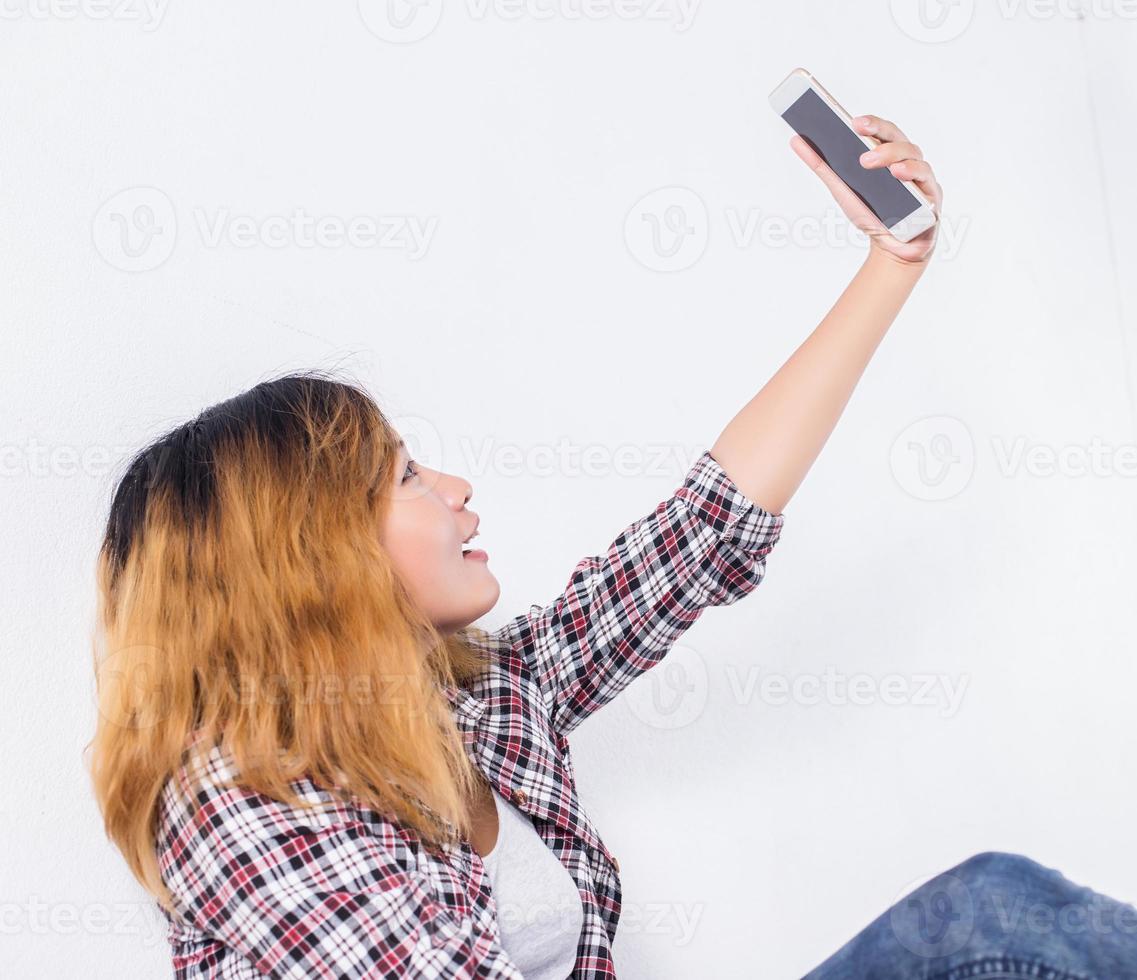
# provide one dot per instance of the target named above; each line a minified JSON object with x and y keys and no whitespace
{"x":539,"y":913}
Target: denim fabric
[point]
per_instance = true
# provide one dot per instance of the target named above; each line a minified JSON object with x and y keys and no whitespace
{"x":995,"y":916}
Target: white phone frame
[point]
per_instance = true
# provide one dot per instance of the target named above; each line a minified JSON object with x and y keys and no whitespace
{"x":796,"y":84}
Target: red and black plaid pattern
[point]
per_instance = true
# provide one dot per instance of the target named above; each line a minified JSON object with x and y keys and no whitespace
{"x":266,"y":889}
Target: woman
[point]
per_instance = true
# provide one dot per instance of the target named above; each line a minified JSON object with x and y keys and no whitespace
{"x":321,"y":769}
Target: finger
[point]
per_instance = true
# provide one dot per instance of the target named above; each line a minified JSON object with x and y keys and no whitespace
{"x":936,"y":193}
{"x":888,"y":153}
{"x":882,"y":129}
{"x":921,"y":173}
{"x":918,"y":170}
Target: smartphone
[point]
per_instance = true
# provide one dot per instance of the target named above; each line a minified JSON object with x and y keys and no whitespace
{"x":818,"y":118}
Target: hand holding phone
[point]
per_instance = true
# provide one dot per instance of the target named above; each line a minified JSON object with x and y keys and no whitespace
{"x":895,"y":199}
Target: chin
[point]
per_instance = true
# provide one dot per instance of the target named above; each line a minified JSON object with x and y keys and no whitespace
{"x":492,"y":595}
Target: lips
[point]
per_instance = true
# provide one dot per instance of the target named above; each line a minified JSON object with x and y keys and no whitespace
{"x":473,"y":534}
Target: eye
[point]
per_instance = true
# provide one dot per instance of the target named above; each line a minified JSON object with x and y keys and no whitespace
{"x":410,"y":470}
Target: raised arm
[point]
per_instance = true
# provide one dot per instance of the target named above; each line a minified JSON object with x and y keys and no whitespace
{"x":624,"y":608}
{"x":769,"y":446}
{"x":707,"y":545}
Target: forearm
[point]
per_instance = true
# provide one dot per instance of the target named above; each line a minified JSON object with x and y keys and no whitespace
{"x":769,"y":446}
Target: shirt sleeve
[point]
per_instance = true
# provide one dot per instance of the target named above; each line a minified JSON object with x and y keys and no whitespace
{"x":621,"y":611}
{"x":300,"y":898}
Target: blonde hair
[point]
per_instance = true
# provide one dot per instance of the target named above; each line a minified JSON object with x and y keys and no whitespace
{"x":242,"y":554}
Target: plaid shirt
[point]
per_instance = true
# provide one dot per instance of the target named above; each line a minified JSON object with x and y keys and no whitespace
{"x":262,"y":888}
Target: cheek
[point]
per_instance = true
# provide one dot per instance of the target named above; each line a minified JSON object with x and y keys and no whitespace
{"x":418,"y":540}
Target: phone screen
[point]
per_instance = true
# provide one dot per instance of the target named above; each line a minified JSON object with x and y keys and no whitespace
{"x":840,"y":147}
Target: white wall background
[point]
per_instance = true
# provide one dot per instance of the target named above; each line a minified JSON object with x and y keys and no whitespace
{"x":518,"y":145}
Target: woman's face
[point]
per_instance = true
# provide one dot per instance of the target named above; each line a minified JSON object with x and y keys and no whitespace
{"x":426,"y":525}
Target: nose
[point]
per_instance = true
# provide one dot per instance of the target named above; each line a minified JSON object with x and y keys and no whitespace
{"x":455,"y":490}
{"x":458,"y":490}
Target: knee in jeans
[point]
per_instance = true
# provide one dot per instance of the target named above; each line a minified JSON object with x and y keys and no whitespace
{"x":1000,"y":867}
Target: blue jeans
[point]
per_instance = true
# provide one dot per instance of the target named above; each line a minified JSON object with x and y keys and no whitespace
{"x":996,"y":916}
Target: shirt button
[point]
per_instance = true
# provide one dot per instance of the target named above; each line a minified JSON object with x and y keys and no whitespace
{"x":519,"y":796}
{"x":615,"y":864}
